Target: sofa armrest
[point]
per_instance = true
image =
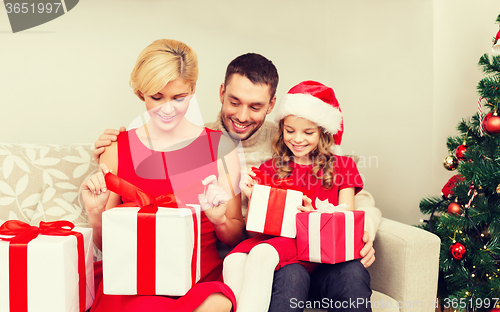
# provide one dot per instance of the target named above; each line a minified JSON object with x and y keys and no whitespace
{"x":406,"y":266}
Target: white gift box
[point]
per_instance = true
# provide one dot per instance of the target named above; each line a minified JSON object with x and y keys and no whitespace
{"x":52,"y":267}
{"x":175,"y":242}
{"x":272,"y":211}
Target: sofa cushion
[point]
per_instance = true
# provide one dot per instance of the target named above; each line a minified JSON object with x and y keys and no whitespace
{"x":28,"y":171}
{"x":55,"y":205}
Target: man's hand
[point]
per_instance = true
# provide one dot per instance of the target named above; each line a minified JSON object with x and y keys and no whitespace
{"x":368,"y":253}
{"x":109,"y":136}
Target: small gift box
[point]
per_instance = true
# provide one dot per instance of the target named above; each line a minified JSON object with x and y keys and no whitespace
{"x":149,"y":250}
{"x":330,"y":237}
{"x":46,"y":268}
{"x":272,"y":211}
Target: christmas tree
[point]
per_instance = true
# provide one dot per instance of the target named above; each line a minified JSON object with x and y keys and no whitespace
{"x":467,"y":215}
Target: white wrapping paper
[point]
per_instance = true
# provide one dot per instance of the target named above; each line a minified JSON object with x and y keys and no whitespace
{"x":52,"y":273}
{"x":261,"y":205}
{"x":174,"y":249}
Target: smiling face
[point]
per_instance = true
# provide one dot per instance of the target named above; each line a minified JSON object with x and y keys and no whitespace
{"x":244,"y":106}
{"x":168,"y":107}
{"x":301,"y":136}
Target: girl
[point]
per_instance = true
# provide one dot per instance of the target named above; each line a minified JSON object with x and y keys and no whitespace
{"x":309,"y":135}
{"x":169,"y":154}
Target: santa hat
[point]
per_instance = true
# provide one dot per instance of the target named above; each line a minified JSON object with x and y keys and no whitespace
{"x":317,"y":103}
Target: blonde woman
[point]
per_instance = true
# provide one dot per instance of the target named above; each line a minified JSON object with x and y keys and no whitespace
{"x":171,"y":154}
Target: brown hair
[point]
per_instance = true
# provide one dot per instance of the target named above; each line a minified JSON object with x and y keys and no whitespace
{"x":321,"y":156}
{"x":255,"y":67}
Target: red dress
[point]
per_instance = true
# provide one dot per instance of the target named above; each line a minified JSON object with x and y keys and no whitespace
{"x":179,"y":172}
{"x":346,"y":175}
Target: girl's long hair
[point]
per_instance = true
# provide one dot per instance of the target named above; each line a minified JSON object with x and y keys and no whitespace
{"x":321,"y":156}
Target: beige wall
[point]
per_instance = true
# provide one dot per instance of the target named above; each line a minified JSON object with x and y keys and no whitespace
{"x":404,"y":72}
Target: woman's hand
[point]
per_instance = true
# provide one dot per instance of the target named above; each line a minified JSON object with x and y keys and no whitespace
{"x":214,"y":201}
{"x":307,"y":204}
{"x":247,"y":182}
{"x":94,"y":192}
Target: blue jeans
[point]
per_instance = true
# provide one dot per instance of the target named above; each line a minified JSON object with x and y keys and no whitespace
{"x":290,"y":283}
{"x":336,"y":287}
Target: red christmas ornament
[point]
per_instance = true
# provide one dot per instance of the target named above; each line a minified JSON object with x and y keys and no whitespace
{"x":491,"y":123}
{"x":458,"y":251}
{"x":459,"y":152}
{"x":447,"y":190}
{"x":495,"y":310}
{"x":455,"y":208}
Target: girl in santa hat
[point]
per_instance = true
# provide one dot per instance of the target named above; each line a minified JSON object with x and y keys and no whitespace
{"x":305,"y":151}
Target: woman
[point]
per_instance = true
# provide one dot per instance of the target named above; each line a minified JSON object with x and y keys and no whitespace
{"x":172,"y":155}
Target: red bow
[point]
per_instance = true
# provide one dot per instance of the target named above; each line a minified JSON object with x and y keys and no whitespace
{"x":286,"y":183}
{"x":22,"y":233}
{"x":147,"y":202}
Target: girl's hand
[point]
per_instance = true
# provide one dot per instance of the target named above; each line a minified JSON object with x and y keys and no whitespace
{"x":307,"y":204}
{"x":214,"y":201}
{"x":368,"y":253}
{"x":94,"y":192}
{"x":247,"y":182}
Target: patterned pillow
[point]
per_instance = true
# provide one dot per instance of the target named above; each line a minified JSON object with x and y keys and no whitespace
{"x":55,"y":205}
{"x":43,"y":181}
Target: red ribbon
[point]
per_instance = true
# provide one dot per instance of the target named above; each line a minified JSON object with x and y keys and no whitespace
{"x":274,"y":221}
{"x":277,"y":198}
{"x":286,"y":183}
{"x":22,"y":233}
{"x":146,"y":229}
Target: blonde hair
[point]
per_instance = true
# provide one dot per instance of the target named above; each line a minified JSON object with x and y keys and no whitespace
{"x":321,"y":156}
{"x":159,"y":63}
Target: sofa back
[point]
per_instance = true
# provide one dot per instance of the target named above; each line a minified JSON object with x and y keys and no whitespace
{"x":41,"y":182}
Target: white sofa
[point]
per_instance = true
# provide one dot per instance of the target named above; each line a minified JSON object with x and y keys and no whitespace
{"x":41,"y":182}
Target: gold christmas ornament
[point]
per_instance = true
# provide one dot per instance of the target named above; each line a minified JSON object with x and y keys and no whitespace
{"x":498,"y":189}
{"x":450,"y":163}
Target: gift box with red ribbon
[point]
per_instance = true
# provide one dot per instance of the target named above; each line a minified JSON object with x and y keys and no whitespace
{"x":330,"y":237}
{"x":152,"y":249}
{"x":273,"y":206}
{"x":46,"y":268}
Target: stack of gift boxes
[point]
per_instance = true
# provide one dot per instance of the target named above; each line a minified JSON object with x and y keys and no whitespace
{"x":49,"y":268}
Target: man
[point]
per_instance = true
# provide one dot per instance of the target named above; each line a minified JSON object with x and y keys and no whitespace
{"x":247,"y":95}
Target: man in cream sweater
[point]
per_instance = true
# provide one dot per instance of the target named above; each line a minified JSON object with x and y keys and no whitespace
{"x":247,"y":96}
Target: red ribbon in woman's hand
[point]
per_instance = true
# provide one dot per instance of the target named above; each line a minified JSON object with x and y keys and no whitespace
{"x":138,"y":196}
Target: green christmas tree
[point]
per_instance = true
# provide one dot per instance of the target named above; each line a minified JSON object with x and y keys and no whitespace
{"x":467,"y":215}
